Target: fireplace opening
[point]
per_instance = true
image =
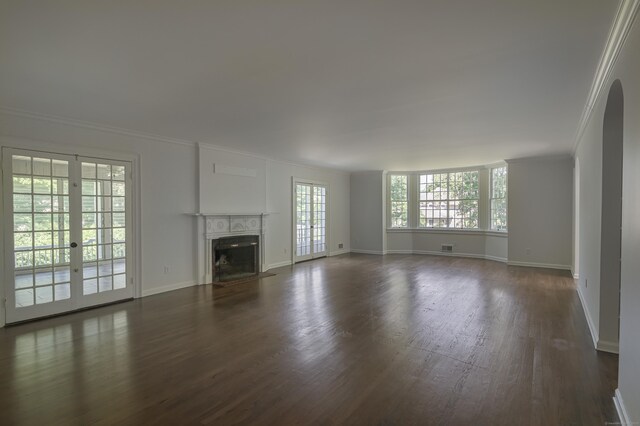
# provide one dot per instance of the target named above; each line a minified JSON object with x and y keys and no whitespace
{"x":235,"y":258}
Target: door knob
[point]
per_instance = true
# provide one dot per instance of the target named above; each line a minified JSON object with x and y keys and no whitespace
{"x":74,"y":245}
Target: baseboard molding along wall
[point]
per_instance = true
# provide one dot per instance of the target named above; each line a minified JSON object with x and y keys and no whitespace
{"x":439,"y":253}
{"x":165,"y":288}
{"x":625,"y":420}
{"x":587,"y":315}
{"x":539,"y":265}
{"x":611,"y":347}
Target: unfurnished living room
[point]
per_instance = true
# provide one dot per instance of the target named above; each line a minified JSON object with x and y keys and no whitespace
{"x":320,"y":212}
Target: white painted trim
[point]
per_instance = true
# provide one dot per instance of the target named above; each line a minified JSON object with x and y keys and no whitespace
{"x":496,"y":258}
{"x":587,"y":315}
{"x":625,"y":419}
{"x":327,"y":209}
{"x":576,"y":276}
{"x":606,"y":346}
{"x":377,"y":252}
{"x":133,"y":158}
{"x":149,"y":136}
{"x":278,"y":265}
{"x":339,"y":252}
{"x":169,"y":287}
{"x":540,"y":265}
{"x":552,"y":157}
{"x":92,"y":126}
{"x":620,"y":28}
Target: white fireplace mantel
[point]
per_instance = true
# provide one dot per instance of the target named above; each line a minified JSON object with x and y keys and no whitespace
{"x":217,"y":225}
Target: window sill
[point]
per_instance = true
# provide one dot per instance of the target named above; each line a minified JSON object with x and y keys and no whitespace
{"x":484,"y":232}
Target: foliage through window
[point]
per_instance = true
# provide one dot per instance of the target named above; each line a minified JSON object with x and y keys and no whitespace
{"x":499,"y":199}
{"x":449,"y":200}
{"x":399,"y":200}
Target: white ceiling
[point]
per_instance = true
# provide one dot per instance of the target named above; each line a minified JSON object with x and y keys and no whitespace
{"x":372,"y":84}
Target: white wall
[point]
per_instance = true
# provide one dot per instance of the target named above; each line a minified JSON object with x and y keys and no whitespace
{"x":177,"y":181}
{"x":252,"y":184}
{"x":238,"y":185}
{"x":167,"y":187}
{"x":589,"y":152}
{"x":279,"y":201}
{"x":367,"y":212}
{"x":480,"y":244}
{"x":540,"y":211}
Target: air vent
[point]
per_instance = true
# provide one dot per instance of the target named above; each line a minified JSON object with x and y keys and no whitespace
{"x":446,"y":248}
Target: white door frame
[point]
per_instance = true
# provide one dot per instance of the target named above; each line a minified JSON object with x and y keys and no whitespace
{"x":294,"y":182}
{"x":55,"y":148}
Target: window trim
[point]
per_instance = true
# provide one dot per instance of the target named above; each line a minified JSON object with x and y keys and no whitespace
{"x":448,"y":200}
{"x":389,"y":220}
{"x":484,"y":201}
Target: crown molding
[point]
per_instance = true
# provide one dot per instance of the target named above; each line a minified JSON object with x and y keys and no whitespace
{"x":92,"y":126}
{"x":625,"y":17}
{"x":551,"y":157}
{"x":150,"y":136}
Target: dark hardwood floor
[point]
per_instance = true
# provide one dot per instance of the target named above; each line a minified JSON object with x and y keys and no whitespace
{"x":354,"y":339}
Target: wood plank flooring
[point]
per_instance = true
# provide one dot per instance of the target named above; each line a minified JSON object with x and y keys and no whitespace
{"x":353,"y":339}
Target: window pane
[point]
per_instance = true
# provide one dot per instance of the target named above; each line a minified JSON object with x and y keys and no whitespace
{"x":499,"y":199}
{"x":398,"y":190}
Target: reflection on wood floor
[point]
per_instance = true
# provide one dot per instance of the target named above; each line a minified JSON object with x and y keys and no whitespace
{"x":53,"y":285}
{"x":353,"y":339}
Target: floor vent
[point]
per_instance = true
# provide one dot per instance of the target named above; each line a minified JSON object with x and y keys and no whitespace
{"x":446,"y":248}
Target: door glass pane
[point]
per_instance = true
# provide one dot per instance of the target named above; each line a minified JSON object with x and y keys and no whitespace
{"x":36,"y":183}
{"x":319,"y":220}
{"x":101,"y":258}
{"x":303,"y":220}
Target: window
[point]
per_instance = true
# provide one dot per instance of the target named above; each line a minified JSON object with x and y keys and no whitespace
{"x":449,"y":200}
{"x":398,"y":196}
{"x":499,"y":198}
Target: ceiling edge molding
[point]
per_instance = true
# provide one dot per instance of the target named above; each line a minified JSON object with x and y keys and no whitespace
{"x":620,"y":28}
{"x":552,"y":157}
{"x":149,"y":136}
{"x":93,"y":126}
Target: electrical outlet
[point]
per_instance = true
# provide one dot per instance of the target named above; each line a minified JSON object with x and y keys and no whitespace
{"x":527,"y":250}
{"x":285,"y":251}
{"x":166,"y":269}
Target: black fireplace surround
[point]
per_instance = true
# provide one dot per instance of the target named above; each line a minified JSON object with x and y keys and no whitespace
{"x":235,"y":257}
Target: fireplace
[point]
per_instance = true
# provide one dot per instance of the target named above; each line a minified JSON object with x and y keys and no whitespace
{"x":235,"y":257}
{"x":218,"y":230}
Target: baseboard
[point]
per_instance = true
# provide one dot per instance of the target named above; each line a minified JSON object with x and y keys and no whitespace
{"x":439,"y":253}
{"x":278,"y":265}
{"x":539,"y":265}
{"x":625,"y":420}
{"x":378,"y":252}
{"x":587,"y":315}
{"x":576,"y":276}
{"x":339,"y":252}
{"x":165,"y":288}
{"x":496,"y":258}
{"x":611,"y":347}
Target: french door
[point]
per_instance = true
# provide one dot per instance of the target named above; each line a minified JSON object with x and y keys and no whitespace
{"x":68,"y":228}
{"x":310,"y":221}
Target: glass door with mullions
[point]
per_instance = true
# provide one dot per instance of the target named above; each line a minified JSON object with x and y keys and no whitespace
{"x":67,"y":231}
{"x":310,"y":221}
